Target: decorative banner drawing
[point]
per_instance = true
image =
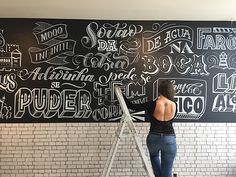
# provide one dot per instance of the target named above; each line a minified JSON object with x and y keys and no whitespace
{"x":60,"y":70}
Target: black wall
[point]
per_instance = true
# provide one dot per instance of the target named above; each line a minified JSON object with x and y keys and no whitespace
{"x":59,"y":70}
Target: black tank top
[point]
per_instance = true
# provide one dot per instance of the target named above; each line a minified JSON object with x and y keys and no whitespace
{"x":165,"y":127}
{"x":156,"y":127}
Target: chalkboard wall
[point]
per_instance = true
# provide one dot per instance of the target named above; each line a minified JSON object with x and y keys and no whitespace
{"x":60,"y":70}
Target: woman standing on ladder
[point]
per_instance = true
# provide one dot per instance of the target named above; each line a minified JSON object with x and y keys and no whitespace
{"x":161,"y":140}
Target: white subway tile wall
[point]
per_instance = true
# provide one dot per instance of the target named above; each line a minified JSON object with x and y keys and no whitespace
{"x":81,"y":150}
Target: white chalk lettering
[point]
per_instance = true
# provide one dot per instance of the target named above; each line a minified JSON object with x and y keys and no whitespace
{"x":222,"y":84}
{"x":42,"y":102}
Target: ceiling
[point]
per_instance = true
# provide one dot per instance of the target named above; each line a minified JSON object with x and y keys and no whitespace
{"x":120,"y":9}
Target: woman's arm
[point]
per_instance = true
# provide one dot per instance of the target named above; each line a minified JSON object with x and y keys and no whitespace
{"x":148,"y":106}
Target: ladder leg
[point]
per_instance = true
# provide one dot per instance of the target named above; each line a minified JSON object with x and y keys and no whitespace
{"x":113,"y":150}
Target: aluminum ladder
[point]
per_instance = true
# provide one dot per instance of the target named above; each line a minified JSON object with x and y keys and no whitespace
{"x":126,"y":119}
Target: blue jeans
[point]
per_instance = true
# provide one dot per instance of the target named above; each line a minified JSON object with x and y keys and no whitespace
{"x":166,"y":146}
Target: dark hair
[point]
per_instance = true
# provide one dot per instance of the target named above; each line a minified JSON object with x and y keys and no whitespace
{"x":166,"y":89}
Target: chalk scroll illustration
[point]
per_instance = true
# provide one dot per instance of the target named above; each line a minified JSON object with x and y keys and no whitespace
{"x":55,"y":38}
{"x":221,"y":61}
{"x":63,"y":70}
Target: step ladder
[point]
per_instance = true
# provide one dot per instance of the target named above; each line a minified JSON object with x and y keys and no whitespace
{"x":126,"y":119}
